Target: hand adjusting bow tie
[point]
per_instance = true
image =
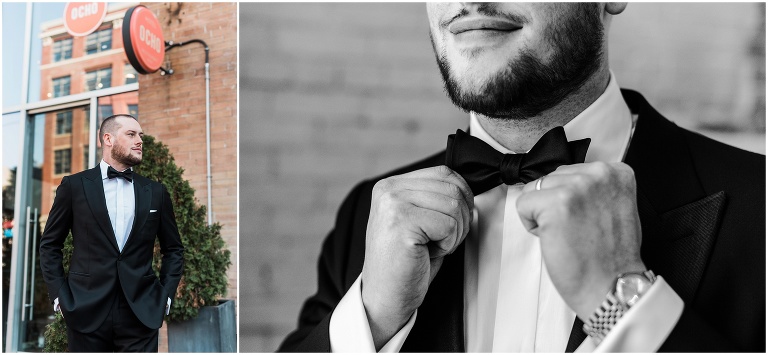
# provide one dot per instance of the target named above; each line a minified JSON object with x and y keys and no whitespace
{"x":485,"y":168}
{"x":127,"y":174}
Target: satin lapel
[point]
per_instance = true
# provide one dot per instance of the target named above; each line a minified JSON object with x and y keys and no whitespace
{"x":143,"y":194}
{"x":658,"y":153}
{"x":439,"y":325}
{"x":94,"y":194}
{"x":679,"y":220}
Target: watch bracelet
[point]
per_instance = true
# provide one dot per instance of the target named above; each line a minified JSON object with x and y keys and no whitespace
{"x":604,"y":318}
{"x":609,"y":312}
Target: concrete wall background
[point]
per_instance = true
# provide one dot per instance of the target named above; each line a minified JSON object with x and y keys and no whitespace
{"x":335,"y":93}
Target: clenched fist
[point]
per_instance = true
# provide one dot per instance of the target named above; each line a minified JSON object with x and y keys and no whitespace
{"x":416,"y":219}
{"x":586,"y":216}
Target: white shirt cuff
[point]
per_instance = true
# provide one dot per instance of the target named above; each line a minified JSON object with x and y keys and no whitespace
{"x":645,"y":327}
{"x":349,"y":331}
{"x":167,"y":308}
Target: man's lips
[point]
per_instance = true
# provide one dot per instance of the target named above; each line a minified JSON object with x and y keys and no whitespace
{"x":482,"y":23}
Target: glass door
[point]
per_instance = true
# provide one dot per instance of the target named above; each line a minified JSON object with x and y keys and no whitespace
{"x":11,"y":144}
{"x":57,"y":146}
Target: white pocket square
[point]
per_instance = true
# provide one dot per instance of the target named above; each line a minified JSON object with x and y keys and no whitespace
{"x":152,"y":211}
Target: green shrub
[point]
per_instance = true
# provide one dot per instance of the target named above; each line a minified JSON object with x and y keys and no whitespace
{"x":205,"y":258}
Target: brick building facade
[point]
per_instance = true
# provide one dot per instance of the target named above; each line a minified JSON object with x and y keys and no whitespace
{"x":172,"y":107}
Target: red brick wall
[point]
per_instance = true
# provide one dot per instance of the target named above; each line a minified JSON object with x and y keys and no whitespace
{"x":172,"y":107}
{"x":335,"y":93}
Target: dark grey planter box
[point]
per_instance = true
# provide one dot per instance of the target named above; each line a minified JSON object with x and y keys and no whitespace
{"x":213,"y":331}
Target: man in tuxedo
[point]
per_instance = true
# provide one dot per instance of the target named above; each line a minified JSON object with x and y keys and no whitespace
{"x":572,"y":216}
{"x":111,"y":298}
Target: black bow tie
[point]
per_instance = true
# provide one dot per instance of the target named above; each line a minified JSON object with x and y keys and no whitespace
{"x":127,"y":174}
{"x":485,"y":168}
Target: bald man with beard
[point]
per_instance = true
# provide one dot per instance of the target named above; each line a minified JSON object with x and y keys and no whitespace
{"x":111,"y":299}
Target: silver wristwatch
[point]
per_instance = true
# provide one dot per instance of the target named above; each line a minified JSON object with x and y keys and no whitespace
{"x":627,"y":291}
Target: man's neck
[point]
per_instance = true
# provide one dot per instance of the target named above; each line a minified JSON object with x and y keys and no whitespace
{"x":519,"y":135}
{"x":114,"y":163}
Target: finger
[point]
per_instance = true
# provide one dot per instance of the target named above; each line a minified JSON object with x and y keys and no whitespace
{"x":457,"y":209}
{"x":571,"y":168}
{"x":434,"y":267}
{"x":445,"y":174}
{"x":448,"y":188}
{"x":597,"y":168}
{"x":562,"y":170}
{"x":413,"y":187}
{"x":530,"y":206}
{"x":554,"y":181}
{"x":441,"y":231}
{"x":425,"y":184}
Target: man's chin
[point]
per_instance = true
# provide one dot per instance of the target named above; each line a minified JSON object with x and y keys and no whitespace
{"x":133,"y":161}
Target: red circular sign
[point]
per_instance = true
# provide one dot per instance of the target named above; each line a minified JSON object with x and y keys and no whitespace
{"x":82,"y":18}
{"x":143,"y":40}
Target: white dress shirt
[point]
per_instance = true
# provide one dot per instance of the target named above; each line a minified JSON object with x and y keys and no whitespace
{"x":510,"y":302}
{"x":121,"y":205}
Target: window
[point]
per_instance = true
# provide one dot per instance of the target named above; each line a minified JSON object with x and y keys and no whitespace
{"x":87,"y":120}
{"x":130,"y":74}
{"x":64,"y":122}
{"x":62,"y":49}
{"x":98,"y":41}
{"x":85,"y":157}
{"x":62,"y":160}
{"x":105,"y":111}
{"x":61,"y":86}
{"x":133,"y":110}
{"x":98,"y":79}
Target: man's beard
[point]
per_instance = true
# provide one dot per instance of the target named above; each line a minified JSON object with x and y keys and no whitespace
{"x":123,"y":156}
{"x":527,"y":87}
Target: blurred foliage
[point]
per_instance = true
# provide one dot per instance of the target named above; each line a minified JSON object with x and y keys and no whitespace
{"x":56,"y":335}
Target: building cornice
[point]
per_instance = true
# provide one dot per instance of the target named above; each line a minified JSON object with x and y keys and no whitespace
{"x":81,"y":59}
{"x":55,"y":27}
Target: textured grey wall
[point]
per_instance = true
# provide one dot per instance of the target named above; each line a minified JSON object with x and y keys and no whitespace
{"x":331,"y":94}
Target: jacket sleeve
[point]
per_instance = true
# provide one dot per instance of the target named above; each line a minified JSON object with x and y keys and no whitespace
{"x":170,"y":246}
{"x":332,"y":270}
{"x":692,"y":333}
{"x":52,"y":241}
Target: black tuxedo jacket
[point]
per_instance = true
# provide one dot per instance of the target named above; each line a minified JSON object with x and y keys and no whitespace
{"x":97,"y":266}
{"x":702,"y":213}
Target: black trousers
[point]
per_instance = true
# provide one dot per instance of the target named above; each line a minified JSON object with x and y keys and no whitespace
{"x":120,"y":332}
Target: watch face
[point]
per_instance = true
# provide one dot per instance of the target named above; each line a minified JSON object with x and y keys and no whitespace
{"x":630,"y":287}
